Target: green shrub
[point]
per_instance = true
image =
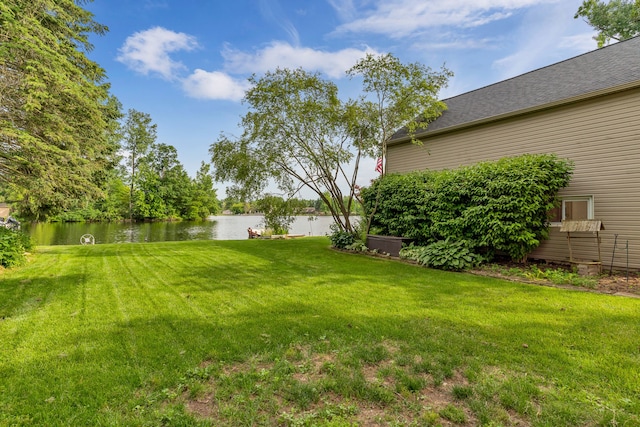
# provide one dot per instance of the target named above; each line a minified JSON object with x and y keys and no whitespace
{"x":13,"y":245}
{"x":357,"y":246}
{"x":78,"y":215}
{"x":444,"y":255}
{"x":341,"y":239}
{"x":403,"y":206}
{"x":496,"y":206}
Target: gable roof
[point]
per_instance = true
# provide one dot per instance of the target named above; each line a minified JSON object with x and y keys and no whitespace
{"x":611,"y":68}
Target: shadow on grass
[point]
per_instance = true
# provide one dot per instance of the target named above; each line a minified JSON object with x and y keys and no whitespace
{"x":102,"y":372}
{"x":19,"y":296}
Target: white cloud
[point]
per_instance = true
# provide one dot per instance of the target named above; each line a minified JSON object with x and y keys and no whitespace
{"x":214,"y":85}
{"x":580,"y":42}
{"x":456,"y":43}
{"x":148,"y":51}
{"x":273,"y":12}
{"x":402,"y":18}
{"x":345,"y":9}
{"x":283,"y":55}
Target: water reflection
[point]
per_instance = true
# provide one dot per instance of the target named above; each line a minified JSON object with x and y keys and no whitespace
{"x":232,"y":227}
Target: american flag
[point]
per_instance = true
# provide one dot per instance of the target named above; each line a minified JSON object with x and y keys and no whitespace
{"x":379,"y":165}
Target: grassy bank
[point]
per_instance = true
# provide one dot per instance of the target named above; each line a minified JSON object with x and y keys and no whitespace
{"x":292,"y":333}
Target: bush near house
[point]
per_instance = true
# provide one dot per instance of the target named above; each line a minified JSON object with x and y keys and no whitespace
{"x":443,"y":255}
{"x":494,"y":206}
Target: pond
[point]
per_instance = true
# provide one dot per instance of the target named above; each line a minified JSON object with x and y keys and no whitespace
{"x":226,"y":227}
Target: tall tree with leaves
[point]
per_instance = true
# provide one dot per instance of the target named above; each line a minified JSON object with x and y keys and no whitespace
{"x":172,"y":186}
{"x":55,"y":114}
{"x":203,"y":198}
{"x":614,"y":20}
{"x":301,"y":134}
{"x":278,"y":213}
{"x":396,"y":95}
{"x":139,"y":134}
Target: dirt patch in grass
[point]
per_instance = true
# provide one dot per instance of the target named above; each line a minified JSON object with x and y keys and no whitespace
{"x":619,"y":283}
{"x":314,"y":369}
{"x":283,"y":395}
{"x":203,"y":408}
{"x":516,"y":420}
{"x":371,"y":416}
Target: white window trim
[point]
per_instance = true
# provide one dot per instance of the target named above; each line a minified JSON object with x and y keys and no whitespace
{"x":588,"y":199}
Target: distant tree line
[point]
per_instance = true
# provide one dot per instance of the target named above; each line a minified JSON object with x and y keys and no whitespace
{"x":147,"y":183}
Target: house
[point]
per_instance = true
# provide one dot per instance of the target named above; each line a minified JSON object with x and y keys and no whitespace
{"x":586,"y":109}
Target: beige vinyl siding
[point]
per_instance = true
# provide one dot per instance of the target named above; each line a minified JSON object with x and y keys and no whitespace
{"x":601,"y":136}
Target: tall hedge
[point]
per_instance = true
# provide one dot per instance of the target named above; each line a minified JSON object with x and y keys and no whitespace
{"x":497,"y":206}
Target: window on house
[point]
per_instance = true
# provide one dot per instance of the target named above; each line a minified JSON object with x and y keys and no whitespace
{"x":573,"y":208}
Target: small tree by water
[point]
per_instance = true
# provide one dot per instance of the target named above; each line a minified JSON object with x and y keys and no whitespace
{"x":279,"y":213}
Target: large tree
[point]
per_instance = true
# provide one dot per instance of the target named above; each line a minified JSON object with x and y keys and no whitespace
{"x":139,"y":134}
{"x":203,"y":200}
{"x":396,"y":95}
{"x":164,"y":190}
{"x":55,"y":114}
{"x":614,"y":20}
{"x":163,"y":177}
{"x":299,"y":132}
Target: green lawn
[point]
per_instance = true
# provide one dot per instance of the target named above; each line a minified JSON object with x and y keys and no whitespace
{"x":293,"y":333}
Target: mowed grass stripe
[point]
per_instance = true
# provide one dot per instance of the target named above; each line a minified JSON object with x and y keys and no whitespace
{"x":47,"y":298}
{"x":245,"y":285}
{"x":51,"y":334}
{"x":150,"y":316}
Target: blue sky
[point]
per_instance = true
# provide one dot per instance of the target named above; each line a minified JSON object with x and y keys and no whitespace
{"x":186,"y":62}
